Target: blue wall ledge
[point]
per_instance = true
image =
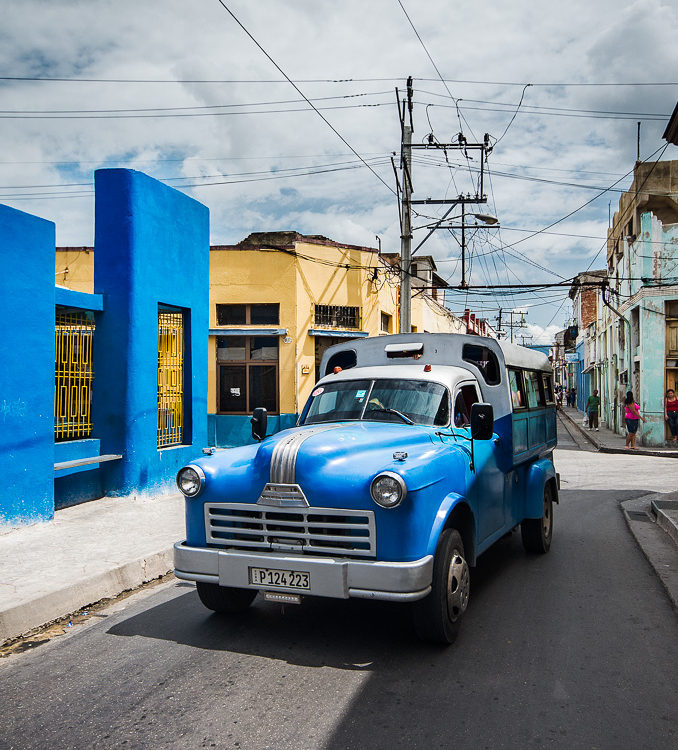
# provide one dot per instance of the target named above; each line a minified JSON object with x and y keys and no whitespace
{"x":81,"y":300}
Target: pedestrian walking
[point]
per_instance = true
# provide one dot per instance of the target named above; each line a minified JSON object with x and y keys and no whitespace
{"x":568,"y":397}
{"x":592,"y":407}
{"x":671,"y":413}
{"x":574,"y":397}
{"x":632,"y":416}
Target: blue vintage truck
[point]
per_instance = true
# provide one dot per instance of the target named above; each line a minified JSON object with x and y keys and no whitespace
{"x":413,"y":454}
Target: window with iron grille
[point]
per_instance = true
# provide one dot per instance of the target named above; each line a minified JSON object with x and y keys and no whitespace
{"x":337,"y":316}
{"x":170,"y":378}
{"x":73,"y":374}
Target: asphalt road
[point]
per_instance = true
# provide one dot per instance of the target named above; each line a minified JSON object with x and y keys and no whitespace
{"x":575,"y":649}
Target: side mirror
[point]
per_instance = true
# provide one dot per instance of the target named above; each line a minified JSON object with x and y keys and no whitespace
{"x":482,"y":421}
{"x":259,"y":419}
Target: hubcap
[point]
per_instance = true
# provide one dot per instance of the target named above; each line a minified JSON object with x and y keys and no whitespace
{"x":458,"y":586}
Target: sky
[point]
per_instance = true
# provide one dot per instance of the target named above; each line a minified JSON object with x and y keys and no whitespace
{"x":199,"y":97}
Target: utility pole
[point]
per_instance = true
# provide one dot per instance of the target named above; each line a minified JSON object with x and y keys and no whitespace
{"x":406,"y":212}
{"x":520,"y":324}
{"x":405,"y":202}
{"x":498,"y":319}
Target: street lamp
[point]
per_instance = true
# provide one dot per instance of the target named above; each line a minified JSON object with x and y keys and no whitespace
{"x":486,"y":218}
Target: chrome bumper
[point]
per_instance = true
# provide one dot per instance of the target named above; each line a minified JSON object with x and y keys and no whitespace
{"x":333,"y":577}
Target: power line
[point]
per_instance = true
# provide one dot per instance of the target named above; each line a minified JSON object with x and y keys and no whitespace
{"x":562,"y":84}
{"x":539,"y":109}
{"x":301,"y":93}
{"x":32,"y":196}
{"x":525,"y":87}
{"x":239,"y":113}
{"x":205,"y":177}
{"x":190,"y":107}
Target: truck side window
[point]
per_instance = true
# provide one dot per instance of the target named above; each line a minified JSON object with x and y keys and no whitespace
{"x":534,"y":388}
{"x":466,"y":397}
{"x":485,"y":360}
{"x":517,"y":391}
{"x":548,"y":387}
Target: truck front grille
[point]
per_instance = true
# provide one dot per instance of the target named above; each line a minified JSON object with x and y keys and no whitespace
{"x":314,"y":530}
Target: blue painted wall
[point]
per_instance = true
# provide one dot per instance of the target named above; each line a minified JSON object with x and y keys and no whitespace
{"x":151,"y":249}
{"x":583,"y":379}
{"x":543,"y":348}
{"x":232,"y":430}
{"x":27,"y":249}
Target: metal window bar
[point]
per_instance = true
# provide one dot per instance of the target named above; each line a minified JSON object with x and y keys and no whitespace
{"x":73,"y":375}
{"x":337,"y":316}
{"x":170,"y":378}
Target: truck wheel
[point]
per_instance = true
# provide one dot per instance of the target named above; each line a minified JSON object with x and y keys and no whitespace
{"x":225,"y":598}
{"x":437,"y":617}
{"x":537,"y":532}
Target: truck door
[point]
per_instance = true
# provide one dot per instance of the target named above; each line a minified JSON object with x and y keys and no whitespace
{"x":486,"y":490}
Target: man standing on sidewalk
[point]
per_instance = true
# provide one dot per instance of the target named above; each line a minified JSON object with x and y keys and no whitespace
{"x":592,"y":407}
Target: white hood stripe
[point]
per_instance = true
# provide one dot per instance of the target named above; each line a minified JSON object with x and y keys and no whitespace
{"x":284,"y":457}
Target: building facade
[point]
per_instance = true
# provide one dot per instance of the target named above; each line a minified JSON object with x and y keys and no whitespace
{"x":586,"y":296}
{"x":104,"y":384}
{"x":278,"y":300}
{"x":632,"y":345}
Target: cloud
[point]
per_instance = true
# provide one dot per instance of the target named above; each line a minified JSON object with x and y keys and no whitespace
{"x":536,"y":171}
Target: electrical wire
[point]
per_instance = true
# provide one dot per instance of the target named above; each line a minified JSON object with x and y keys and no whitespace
{"x":165,"y":115}
{"x":522,"y":96}
{"x":73,"y":79}
{"x":192,"y":107}
{"x":301,"y":93}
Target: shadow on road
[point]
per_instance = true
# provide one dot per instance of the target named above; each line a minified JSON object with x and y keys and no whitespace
{"x":556,"y":650}
{"x":344,"y":634}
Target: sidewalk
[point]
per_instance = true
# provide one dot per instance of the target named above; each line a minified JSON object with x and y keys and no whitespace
{"x":607,"y":441}
{"x":87,"y":553}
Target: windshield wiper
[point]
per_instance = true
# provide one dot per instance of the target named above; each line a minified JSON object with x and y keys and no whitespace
{"x":393,"y":411}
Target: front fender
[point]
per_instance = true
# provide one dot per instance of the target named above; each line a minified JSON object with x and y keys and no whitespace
{"x":448,"y":505}
{"x":539,"y":473}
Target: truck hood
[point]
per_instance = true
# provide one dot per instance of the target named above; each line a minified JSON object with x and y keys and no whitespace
{"x":336,"y":460}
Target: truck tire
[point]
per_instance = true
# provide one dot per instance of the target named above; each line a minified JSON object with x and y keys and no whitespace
{"x":437,"y":617}
{"x":225,"y":598}
{"x":538,"y":532}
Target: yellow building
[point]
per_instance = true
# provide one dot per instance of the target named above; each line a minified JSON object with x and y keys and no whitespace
{"x":278,"y":300}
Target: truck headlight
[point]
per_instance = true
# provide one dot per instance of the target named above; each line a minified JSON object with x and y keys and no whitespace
{"x":388,"y":489}
{"x":191,"y":480}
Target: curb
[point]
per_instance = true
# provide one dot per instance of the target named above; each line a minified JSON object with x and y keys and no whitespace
{"x":606,"y":449}
{"x":659,"y":547}
{"x":664,"y":520}
{"x":20,"y":619}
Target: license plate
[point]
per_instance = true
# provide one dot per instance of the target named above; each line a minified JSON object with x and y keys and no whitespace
{"x":287,"y":579}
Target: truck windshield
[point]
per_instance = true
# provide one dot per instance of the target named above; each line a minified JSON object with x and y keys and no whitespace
{"x":381,"y":400}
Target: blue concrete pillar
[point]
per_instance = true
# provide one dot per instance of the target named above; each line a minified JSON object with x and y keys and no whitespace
{"x":27,"y":248}
{"x":151,"y":249}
